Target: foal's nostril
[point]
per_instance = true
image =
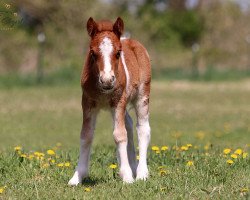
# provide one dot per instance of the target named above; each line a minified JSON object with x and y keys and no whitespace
{"x":113,"y":79}
{"x":101,"y":80}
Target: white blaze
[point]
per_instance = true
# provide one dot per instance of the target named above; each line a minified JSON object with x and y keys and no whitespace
{"x":106,"y":49}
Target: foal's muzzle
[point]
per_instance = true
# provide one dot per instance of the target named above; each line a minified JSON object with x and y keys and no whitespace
{"x":107,"y":83}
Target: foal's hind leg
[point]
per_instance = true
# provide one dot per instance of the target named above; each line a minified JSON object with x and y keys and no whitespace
{"x":143,"y":131}
{"x":130,"y":147}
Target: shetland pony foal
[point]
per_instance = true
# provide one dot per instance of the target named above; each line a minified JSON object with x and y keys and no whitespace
{"x":116,"y":72}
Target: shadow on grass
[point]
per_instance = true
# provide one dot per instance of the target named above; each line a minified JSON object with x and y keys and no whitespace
{"x":93,"y":181}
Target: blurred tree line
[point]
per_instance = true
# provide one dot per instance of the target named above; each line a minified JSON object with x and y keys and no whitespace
{"x":177,"y":35}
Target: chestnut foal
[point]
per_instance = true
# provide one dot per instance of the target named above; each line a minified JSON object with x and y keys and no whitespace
{"x":116,"y":72}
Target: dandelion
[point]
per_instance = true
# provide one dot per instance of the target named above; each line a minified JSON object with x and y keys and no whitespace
{"x":67,"y":164}
{"x":158,"y":151}
{"x":189,"y":145}
{"x":234,"y":156}
{"x":244,"y":155}
{"x":18,"y":148}
{"x":190,"y":163}
{"x":60,"y":165}
{"x":30,"y":157}
{"x":230,"y":162}
{"x":155,"y":148}
{"x":164,"y":148}
{"x":244,"y":190}
{"x":238,"y":151}
{"x":163,"y":172}
{"x":23,"y":156}
{"x":226,"y":151}
{"x":1,"y":190}
{"x":39,"y":154}
{"x":113,"y":166}
{"x":87,"y":189}
{"x":184,"y":148}
{"x":51,"y":152}
{"x":52,"y":161}
{"x":206,"y":147}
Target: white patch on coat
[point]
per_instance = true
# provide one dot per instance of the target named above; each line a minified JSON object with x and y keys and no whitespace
{"x":126,"y":72}
{"x":106,"y":49}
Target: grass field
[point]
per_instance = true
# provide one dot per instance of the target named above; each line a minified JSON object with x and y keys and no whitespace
{"x":210,"y":116}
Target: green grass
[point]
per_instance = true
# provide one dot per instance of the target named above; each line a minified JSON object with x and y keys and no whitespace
{"x":210,"y":116}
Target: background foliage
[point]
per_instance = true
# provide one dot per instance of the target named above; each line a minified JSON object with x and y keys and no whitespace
{"x":209,"y":35}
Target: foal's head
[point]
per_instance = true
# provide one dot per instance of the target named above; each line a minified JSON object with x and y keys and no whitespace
{"x":105,"y":50}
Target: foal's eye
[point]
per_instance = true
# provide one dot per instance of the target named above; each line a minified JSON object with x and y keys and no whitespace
{"x":118,"y":54}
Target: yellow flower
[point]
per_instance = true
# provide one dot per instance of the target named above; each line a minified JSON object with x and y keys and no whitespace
{"x":18,"y":148}
{"x":87,"y":189}
{"x":163,"y":172}
{"x":190,"y":163}
{"x":244,"y":155}
{"x":184,"y":148}
{"x":238,"y":151}
{"x":189,"y":145}
{"x":230,"y":162}
{"x":39,"y":154}
{"x":234,"y":156}
{"x":113,"y":166}
{"x":60,"y":164}
{"x":244,"y":190}
{"x":51,"y":152}
{"x":164,"y":148}
{"x":52,"y":161}
{"x":23,"y":155}
{"x":158,"y":151}
{"x":226,"y":151}
{"x":137,"y":157}
{"x":67,"y":164}
{"x":206,"y":147}
{"x":155,"y":148}
{"x":1,"y":190}
{"x":30,"y":157}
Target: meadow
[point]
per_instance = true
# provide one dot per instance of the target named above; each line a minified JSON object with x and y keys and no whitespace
{"x":199,"y":147}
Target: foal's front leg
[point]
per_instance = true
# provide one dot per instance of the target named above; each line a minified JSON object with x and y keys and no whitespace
{"x":87,"y":133}
{"x":121,"y":140}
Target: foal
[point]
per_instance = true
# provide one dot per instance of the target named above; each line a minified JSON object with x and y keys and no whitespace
{"x":116,"y":72}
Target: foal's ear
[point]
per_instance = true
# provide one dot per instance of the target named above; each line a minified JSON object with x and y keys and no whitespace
{"x":91,"y":27}
{"x":118,"y":27}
